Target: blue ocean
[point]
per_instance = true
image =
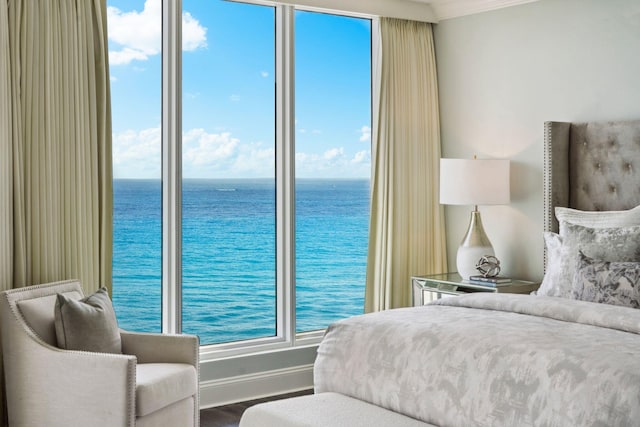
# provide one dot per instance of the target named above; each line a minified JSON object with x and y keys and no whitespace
{"x":229,"y":255}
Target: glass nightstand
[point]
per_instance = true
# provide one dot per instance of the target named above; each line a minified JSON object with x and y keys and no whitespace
{"x":436,"y":286}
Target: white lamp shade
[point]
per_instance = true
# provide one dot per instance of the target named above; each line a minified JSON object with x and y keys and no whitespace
{"x":474,"y":182}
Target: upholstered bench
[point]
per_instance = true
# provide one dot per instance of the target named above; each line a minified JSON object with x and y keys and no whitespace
{"x":324,"y":410}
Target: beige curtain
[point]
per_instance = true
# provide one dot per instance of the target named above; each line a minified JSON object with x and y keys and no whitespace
{"x":6,"y":154}
{"x":55,"y":144}
{"x":6,"y":178}
{"x":61,"y":140}
{"x":407,"y":234}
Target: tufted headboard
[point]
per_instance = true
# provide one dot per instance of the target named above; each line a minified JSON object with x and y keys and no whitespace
{"x":593,"y":166}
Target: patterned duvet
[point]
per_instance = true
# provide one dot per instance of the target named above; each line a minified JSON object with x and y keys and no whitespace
{"x":491,"y":360}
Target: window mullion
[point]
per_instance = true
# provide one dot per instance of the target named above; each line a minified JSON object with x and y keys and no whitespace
{"x":171,"y":166}
{"x":285,"y":174}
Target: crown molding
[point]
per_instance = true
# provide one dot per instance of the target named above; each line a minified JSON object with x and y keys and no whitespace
{"x":415,"y":10}
{"x":402,"y":9}
{"x":448,"y":9}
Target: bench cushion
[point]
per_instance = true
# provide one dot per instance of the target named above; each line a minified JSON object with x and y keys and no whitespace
{"x":324,"y":410}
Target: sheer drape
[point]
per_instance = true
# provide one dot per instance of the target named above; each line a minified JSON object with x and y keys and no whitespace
{"x":55,"y":144}
{"x":407,"y":235}
{"x":61,"y":141}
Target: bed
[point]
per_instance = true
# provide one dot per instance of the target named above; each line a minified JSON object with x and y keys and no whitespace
{"x":568,"y":356}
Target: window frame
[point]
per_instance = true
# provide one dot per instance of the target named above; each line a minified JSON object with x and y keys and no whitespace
{"x":284,"y":28}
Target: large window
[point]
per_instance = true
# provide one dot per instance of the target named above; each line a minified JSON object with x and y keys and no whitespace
{"x":274,"y":186}
{"x":228,"y":163}
{"x":333,"y":128}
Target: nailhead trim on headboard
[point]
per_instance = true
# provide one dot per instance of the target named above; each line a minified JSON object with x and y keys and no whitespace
{"x":548,"y":178}
{"x":556,"y":171}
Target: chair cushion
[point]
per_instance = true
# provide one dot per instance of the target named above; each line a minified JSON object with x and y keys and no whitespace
{"x":88,"y":324}
{"x":38,"y":313}
{"x":161,"y":384}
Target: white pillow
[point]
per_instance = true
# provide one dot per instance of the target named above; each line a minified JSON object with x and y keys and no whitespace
{"x":552,"y":281}
{"x":597,"y":219}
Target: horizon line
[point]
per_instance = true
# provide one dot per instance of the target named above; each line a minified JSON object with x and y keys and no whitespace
{"x":248,"y":179}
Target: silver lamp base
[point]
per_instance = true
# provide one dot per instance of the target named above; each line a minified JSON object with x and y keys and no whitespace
{"x":474,"y":246}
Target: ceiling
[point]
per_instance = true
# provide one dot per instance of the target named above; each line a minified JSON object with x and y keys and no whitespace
{"x":446,"y":9}
{"x":417,"y":10}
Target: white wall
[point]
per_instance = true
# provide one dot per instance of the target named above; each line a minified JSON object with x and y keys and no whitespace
{"x":503,"y":73}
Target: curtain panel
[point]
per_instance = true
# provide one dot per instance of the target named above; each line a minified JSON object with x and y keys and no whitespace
{"x":6,"y":179}
{"x":407,"y":230}
{"x":61,"y":142}
{"x":55,"y":145}
{"x":6,"y":155}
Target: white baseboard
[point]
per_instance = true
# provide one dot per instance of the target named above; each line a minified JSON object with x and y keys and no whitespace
{"x":255,"y":386}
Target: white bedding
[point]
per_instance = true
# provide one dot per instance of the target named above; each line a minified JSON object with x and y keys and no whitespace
{"x":491,"y":360}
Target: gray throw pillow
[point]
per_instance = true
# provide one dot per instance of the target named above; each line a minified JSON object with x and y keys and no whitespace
{"x":607,"y":282}
{"x":607,"y":244}
{"x":88,"y":324}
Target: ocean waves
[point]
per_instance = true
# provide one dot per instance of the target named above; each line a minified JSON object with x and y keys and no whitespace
{"x":229,"y":255}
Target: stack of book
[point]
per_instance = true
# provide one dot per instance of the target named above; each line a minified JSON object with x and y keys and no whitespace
{"x":489,"y":281}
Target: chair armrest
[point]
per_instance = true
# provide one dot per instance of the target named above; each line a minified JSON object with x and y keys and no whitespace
{"x":50,"y":386}
{"x":161,"y":348}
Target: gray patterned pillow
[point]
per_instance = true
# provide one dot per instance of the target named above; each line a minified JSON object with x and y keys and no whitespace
{"x":607,"y":282}
{"x":607,"y":244}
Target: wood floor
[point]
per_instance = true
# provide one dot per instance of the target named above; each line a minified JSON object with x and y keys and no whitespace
{"x":229,"y":415}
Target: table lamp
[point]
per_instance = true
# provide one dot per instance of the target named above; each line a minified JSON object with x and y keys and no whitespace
{"x":474,"y":182}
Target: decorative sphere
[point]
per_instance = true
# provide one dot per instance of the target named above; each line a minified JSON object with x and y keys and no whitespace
{"x":488,"y":266}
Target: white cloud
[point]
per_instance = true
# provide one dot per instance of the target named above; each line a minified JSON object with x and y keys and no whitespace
{"x":334,"y":153}
{"x":365,"y":134}
{"x":362,"y":157}
{"x":140,"y":33}
{"x":254,"y":158}
{"x":264,"y":74}
{"x":113,"y":78}
{"x":202,"y":148}
{"x":308,"y":131}
{"x":334,"y":163}
{"x":211,"y":155}
{"x":137,"y":154}
{"x":126,"y":55}
{"x":234,"y":98}
{"x":194,"y":35}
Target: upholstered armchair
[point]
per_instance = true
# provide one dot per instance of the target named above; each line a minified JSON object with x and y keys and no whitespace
{"x":153,"y":383}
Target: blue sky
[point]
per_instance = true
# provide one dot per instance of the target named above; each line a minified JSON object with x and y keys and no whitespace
{"x":228,"y":91}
